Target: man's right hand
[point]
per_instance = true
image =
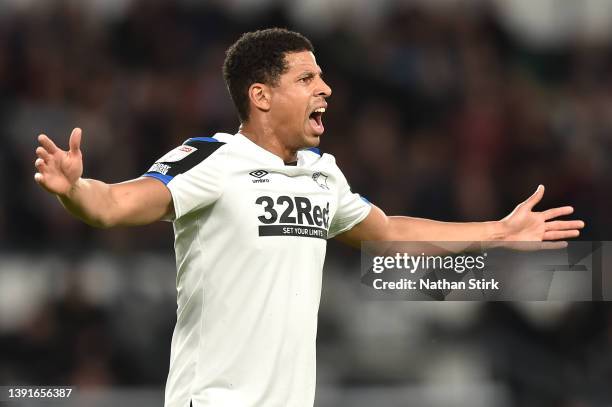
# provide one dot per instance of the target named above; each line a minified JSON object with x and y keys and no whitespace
{"x":59,"y":170}
{"x":135,"y":202}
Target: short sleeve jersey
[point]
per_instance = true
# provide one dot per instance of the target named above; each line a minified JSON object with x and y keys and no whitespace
{"x":250,"y":241}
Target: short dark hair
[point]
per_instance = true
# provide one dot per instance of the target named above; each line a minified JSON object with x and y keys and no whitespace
{"x":259,"y":57}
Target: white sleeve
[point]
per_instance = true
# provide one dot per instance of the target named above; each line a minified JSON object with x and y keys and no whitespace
{"x":194,"y":174}
{"x":197,"y":188}
{"x":352,"y":208}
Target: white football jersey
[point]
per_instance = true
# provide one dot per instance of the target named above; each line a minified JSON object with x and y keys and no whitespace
{"x":250,"y":240}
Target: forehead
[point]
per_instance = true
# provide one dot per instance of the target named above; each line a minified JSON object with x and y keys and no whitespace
{"x":301,"y":61}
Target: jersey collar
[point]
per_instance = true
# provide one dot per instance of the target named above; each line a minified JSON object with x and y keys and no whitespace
{"x":265,"y":153}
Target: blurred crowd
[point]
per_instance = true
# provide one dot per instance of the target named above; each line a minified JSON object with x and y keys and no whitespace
{"x":440,"y":113}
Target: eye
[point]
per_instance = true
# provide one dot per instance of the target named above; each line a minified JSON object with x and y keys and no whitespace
{"x":305,"y":79}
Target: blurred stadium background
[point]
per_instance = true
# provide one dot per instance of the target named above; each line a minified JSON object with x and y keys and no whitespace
{"x":448,"y":109}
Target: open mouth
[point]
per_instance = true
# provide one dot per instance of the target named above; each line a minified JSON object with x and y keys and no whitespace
{"x":316,"y":121}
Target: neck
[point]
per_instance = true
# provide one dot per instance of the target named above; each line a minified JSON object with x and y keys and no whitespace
{"x":266,"y":138}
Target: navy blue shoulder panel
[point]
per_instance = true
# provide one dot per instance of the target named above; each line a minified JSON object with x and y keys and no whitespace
{"x":201,"y":148}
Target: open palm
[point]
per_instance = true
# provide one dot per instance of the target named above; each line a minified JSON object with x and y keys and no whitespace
{"x":59,"y":170}
{"x":525,"y":225}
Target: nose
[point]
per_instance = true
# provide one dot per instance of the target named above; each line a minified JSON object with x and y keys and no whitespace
{"x":323,"y":89}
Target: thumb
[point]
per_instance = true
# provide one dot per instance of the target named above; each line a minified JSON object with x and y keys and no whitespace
{"x":535,"y":198}
{"x":75,"y":140}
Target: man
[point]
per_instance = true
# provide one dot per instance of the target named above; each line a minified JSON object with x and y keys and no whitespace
{"x":251,"y":215}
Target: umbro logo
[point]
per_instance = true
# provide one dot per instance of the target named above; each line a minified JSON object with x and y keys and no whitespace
{"x":259,"y":174}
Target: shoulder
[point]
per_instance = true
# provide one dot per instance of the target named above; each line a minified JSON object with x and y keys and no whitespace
{"x":203,"y":147}
{"x":194,"y":152}
{"x":314,"y":156}
{"x":320,"y":162}
{"x":197,"y":149}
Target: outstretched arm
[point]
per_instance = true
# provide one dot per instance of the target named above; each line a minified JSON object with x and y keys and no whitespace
{"x":523,"y":224}
{"x":136,"y":202}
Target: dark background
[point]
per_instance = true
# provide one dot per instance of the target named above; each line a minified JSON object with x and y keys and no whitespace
{"x":452,"y":110}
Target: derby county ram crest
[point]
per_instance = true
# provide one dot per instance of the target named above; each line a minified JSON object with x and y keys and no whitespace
{"x":320,"y":179}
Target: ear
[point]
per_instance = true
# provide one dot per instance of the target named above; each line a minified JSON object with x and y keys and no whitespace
{"x":260,"y":96}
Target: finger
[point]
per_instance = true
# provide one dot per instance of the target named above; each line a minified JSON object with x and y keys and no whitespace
{"x":42,"y":153}
{"x":535,"y":198}
{"x":38,"y":177}
{"x":556,"y":212}
{"x":75,"y":140}
{"x":560,"y":234}
{"x":564,"y":224}
{"x":48,"y":144}
{"x":39,"y":164}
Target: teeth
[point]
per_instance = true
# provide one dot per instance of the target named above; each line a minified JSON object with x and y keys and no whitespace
{"x":320,"y":110}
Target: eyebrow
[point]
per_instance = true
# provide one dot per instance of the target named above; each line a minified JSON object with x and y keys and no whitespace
{"x":311,"y":73}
